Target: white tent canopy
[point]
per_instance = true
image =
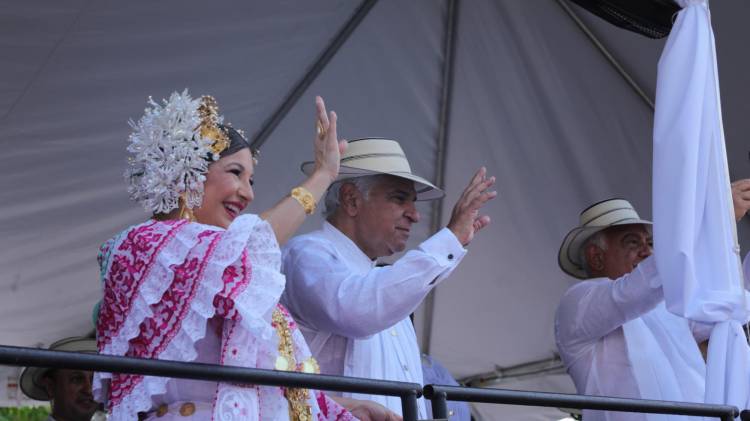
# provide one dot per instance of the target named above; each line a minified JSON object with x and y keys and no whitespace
{"x":531,"y":97}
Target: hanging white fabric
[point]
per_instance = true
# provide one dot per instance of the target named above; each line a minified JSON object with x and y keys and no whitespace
{"x":694,"y":228}
{"x":665,"y":365}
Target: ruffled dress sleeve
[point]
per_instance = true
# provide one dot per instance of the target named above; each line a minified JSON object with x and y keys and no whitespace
{"x":163,"y":281}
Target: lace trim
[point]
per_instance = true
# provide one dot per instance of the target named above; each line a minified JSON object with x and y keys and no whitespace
{"x":180,"y":239}
{"x":253,"y":304}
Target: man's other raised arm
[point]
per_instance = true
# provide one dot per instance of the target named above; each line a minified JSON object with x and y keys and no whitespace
{"x":324,"y":295}
{"x":592,"y":309}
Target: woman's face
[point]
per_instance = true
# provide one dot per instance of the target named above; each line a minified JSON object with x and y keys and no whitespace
{"x":228,"y":189}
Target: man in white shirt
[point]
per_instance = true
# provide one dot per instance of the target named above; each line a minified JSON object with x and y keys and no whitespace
{"x":69,"y":391}
{"x":354,"y":315}
{"x":613,"y":326}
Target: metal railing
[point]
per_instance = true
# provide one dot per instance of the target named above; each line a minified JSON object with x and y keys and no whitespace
{"x":18,"y":356}
{"x":440,"y":394}
{"x":407,"y":392}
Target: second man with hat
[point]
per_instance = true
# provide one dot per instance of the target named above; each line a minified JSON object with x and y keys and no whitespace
{"x":354,"y":315}
{"x":613,"y":330}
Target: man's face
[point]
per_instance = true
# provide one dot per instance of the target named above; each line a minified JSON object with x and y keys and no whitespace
{"x":70,"y":391}
{"x":627,"y":245}
{"x":383,"y":222}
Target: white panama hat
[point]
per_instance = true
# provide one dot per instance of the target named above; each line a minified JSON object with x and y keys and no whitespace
{"x":31,"y":377}
{"x":374,"y":155}
{"x":595,"y":218}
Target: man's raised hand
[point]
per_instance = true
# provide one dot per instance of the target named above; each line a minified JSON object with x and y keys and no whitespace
{"x":465,"y":219}
{"x":741,"y":198}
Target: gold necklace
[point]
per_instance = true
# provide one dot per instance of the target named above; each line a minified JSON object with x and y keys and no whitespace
{"x":299,"y":408}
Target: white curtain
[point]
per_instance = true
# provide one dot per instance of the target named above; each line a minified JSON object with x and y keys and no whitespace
{"x":694,"y":228}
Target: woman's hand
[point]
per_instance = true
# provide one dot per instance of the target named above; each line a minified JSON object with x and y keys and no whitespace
{"x":367,"y":410}
{"x":288,"y":214}
{"x":328,"y":148}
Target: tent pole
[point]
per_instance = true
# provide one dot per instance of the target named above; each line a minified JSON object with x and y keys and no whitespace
{"x":503,"y":375}
{"x":270,"y":124}
{"x":566,"y":7}
{"x":436,"y":214}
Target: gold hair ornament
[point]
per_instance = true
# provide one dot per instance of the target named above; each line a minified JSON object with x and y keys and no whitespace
{"x":209,"y":126}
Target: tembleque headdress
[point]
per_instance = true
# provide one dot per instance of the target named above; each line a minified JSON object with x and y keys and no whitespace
{"x":172,"y":146}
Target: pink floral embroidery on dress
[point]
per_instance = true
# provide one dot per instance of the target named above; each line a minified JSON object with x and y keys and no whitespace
{"x":164,"y":281}
{"x":129,"y":268}
{"x":331,"y":410}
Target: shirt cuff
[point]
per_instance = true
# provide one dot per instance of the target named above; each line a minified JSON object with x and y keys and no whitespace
{"x":444,"y":247}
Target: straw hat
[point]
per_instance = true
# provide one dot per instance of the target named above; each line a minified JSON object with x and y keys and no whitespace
{"x":31,"y":377}
{"x":595,"y":218}
{"x":371,"y":156}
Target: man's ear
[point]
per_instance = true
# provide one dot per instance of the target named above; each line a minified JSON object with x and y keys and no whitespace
{"x":594,"y":257}
{"x":48,"y":382}
{"x":349,"y":199}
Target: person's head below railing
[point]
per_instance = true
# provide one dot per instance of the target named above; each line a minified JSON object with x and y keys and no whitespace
{"x":200,"y":281}
{"x":68,"y":391}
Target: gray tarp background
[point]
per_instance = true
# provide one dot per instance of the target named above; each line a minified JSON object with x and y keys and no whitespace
{"x":533,"y":100}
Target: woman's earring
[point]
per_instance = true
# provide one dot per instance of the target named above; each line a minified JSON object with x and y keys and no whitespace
{"x":186,"y":212}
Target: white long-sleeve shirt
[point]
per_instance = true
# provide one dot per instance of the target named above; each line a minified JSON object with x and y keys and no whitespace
{"x":354,"y":315}
{"x":590,"y":338}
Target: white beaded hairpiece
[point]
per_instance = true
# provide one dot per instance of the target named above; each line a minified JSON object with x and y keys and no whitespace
{"x":172,"y":145}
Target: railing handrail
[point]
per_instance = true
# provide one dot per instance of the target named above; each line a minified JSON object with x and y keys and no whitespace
{"x":440,"y":394}
{"x":408,"y":392}
{"x":20,"y":356}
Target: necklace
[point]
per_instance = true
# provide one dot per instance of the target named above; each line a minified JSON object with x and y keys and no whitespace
{"x":299,"y":408}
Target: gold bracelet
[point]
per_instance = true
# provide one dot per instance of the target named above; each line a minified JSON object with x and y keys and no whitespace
{"x":305,"y":198}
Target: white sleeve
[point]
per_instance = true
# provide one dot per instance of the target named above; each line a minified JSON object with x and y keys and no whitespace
{"x":592,"y":309}
{"x":324,"y":295}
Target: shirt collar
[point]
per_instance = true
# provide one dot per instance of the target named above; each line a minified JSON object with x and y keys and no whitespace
{"x":353,"y":254}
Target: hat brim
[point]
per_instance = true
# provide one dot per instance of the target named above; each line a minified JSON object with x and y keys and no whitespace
{"x":569,"y":254}
{"x":30,"y":381}
{"x":425,"y":189}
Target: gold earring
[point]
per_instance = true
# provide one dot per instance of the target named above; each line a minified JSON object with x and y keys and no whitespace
{"x":186,"y":212}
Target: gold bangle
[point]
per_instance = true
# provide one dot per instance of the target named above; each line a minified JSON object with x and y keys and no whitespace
{"x":305,"y":198}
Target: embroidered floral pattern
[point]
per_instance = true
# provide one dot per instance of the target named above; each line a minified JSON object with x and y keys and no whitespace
{"x":330,"y":410}
{"x":129,"y":267}
{"x":163,"y":281}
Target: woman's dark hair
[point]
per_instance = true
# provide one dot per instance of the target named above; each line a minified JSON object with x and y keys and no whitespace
{"x":237,"y":141}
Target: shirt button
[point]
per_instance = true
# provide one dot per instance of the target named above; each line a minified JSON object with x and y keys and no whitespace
{"x":162,"y":410}
{"x":393,"y":332}
{"x":450,"y":256}
{"x":406,"y":367}
{"x":187,"y":409}
{"x":450,"y":413}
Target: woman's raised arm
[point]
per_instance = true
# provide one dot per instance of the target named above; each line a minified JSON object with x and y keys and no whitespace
{"x":288,"y":214}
